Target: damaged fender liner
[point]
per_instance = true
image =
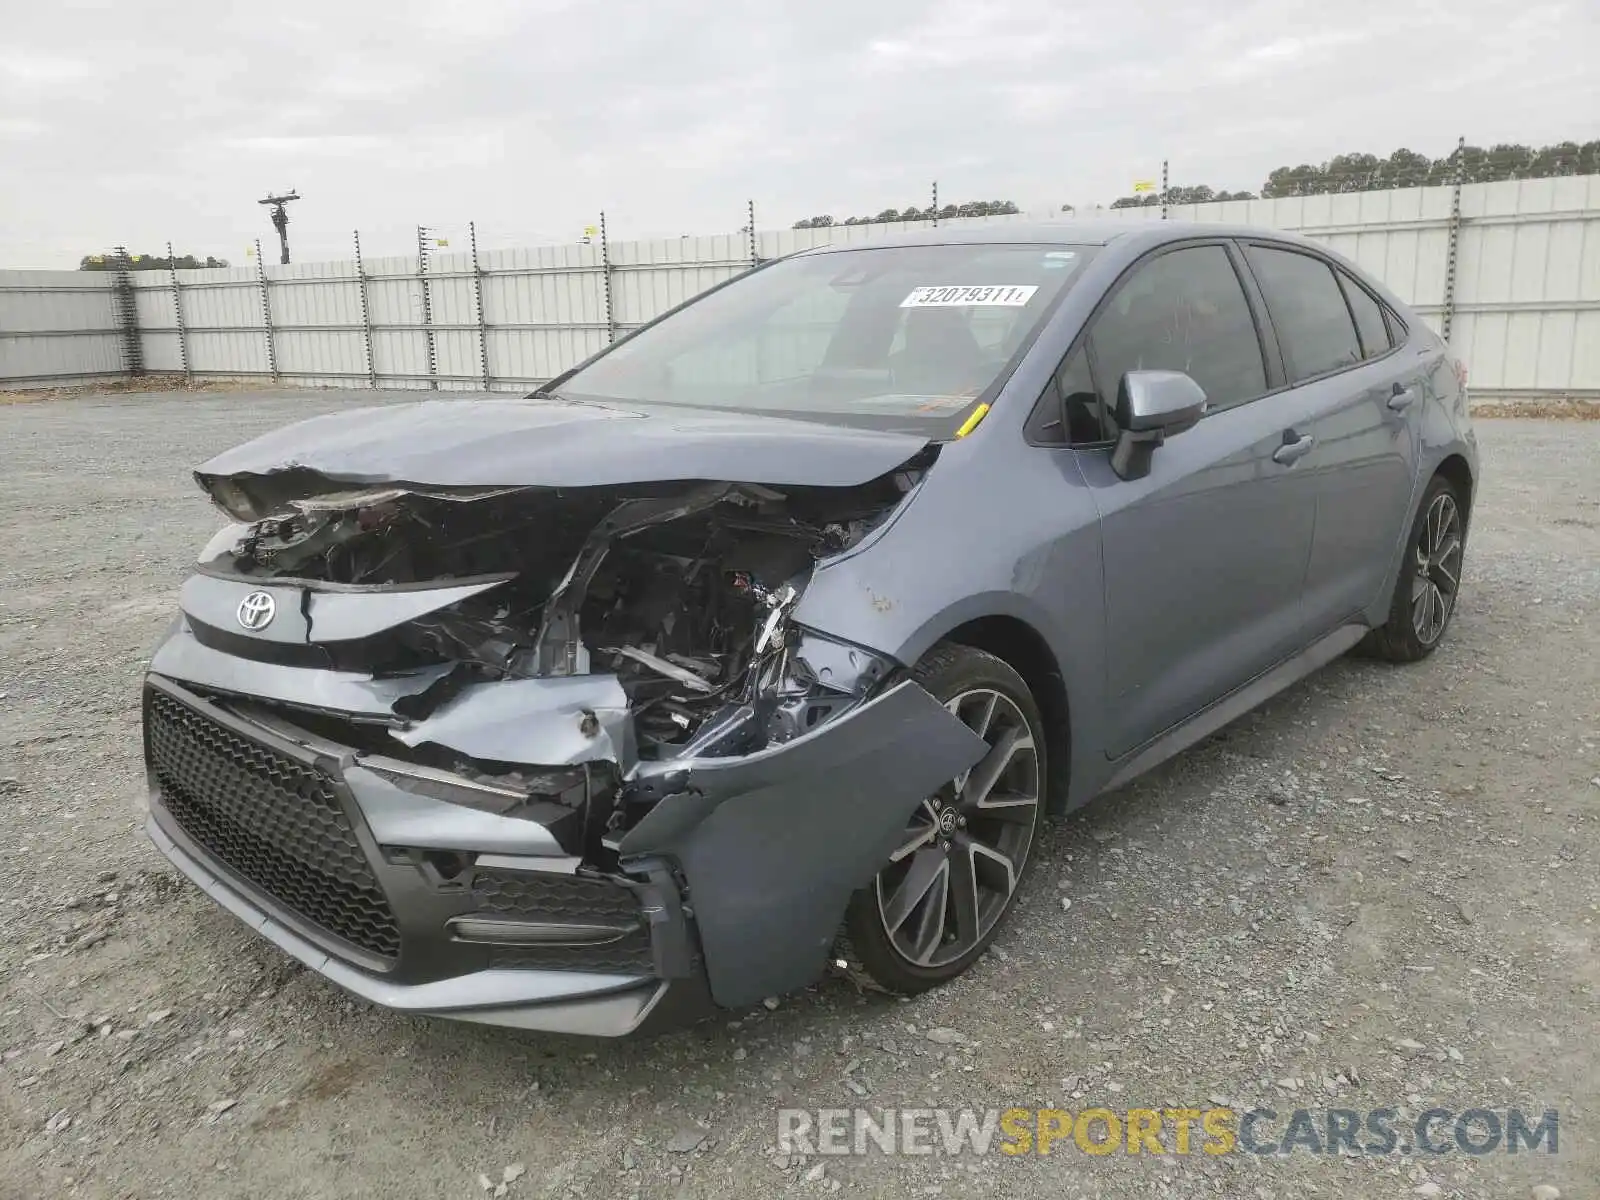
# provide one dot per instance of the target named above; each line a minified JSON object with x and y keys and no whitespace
{"x":758,"y":838}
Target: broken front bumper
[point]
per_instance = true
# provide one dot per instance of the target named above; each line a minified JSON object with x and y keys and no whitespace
{"x":731,"y":888}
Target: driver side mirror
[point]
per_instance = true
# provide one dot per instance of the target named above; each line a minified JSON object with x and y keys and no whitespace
{"x":1151,"y":407}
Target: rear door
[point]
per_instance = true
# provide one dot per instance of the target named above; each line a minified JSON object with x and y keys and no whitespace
{"x":1365,"y":395}
{"x":1205,"y":556}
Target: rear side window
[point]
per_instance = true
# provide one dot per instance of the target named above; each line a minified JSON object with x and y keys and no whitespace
{"x":1313,"y":322}
{"x":1369,"y":317}
{"x":1181,"y":311}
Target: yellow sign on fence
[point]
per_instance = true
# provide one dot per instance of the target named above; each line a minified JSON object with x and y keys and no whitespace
{"x":1144,"y":185}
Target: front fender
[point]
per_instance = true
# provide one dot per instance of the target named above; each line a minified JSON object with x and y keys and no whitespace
{"x":771,"y":845}
{"x":1004,"y":530}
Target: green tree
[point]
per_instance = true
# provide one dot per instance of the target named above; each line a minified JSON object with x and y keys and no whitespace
{"x":1549,"y":161}
{"x":1351,"y":172}
{"x":1403,"y":168}
{"x":149,"y":262}
{"x":972,"y":208}
{"x":1304,"y":180}
{"x":1407,"y":168}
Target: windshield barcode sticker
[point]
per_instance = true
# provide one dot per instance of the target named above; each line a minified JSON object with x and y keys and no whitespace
{"x":1002,"y":296}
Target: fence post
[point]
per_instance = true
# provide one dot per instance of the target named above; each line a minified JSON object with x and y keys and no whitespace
{"x":477,"y":295}
{"x":750,"y":216}
{"x":366,"y":314}
{"x":935,"y":209}
{"x":605,"y":269}
{"x":127,"y":313}
{"x":1453,"y":245}
{"x":427,"y":307}
{"x":177,"y":308}
{"x":1163,"y":189}
{"x":266,"y":313}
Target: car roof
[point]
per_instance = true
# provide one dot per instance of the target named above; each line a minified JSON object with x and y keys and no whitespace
{"x":1078,"y":233}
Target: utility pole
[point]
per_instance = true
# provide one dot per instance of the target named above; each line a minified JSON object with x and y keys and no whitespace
{"x":280,"y":220}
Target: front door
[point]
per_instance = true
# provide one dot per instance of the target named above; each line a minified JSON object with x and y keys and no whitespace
{"x":1205,"y":557}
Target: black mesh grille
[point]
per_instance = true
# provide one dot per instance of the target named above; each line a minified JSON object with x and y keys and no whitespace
{"x":269,"y":818}
{"x":537,"y":897}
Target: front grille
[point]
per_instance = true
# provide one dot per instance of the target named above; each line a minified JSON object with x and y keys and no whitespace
{"x":549,"y":897}
{"x":272,"y":820}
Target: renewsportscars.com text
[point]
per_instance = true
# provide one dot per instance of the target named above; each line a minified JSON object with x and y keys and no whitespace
{"x":1178,"y":1130}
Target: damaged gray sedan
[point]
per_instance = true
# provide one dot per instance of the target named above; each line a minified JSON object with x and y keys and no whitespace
{"x":765,"y":639}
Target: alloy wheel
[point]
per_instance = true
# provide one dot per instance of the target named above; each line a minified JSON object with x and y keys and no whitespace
{"x":1438,"y":569}
{"x":957,"y":868}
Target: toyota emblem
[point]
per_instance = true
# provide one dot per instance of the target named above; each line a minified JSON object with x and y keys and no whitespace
{"x":257,"y":610}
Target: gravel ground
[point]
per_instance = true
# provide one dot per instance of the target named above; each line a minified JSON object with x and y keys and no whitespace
{"x":1378,"y":891}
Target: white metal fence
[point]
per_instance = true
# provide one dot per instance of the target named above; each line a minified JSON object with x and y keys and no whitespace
{"x":1511,"y":271}
{"x":58,"y":327}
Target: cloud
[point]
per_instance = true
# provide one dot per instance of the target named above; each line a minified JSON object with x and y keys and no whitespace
{"x":960,"y":34}
{"x":306,"y":147}
{"x":149,"y":122}
{"x":42,"y":70}
{"x":21,"y":127}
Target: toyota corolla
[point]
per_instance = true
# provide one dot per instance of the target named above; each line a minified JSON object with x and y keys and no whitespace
{"x":766,"y":639}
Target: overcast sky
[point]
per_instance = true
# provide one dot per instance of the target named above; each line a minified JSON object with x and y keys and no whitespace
{"x":140,"y":122}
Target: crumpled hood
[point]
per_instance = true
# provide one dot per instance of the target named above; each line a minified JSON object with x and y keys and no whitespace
{"x":554,"y":443}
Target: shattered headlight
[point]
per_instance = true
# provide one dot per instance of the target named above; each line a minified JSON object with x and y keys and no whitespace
{"x":232,"y":499}
{"x":225,"y":542}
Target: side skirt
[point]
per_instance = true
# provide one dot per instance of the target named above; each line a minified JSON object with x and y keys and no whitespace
{"x":1236,"y":703}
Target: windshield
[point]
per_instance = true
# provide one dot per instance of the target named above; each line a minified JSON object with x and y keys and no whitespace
{"x":902,"y":337}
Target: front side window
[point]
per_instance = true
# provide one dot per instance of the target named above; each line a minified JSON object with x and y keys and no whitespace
{"x":1313,"y":323}
{"x":1182,"y":311}
{"x":899,"y":337}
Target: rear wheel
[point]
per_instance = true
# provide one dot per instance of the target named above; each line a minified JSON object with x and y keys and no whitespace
{"x":942,"y":896}
{"x":1430,"y":579}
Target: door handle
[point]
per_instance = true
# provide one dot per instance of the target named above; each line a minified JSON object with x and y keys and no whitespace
{"x":1400,"y":399}
{"x":1292,"y":452}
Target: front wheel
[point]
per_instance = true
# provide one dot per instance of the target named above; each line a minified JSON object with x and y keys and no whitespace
{"x":939,"y":901}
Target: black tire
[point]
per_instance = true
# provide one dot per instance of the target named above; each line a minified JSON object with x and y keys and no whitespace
{"x":883,"y":959}
{"x":1428,"y":586}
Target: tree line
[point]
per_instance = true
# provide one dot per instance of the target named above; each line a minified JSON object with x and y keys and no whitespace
{"x":149,"y":262}
{"x":1402,"y":168}
{"x":973,"y":208}
{"x":1180,"y":195}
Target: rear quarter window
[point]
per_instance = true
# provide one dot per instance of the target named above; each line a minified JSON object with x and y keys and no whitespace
{"x":1370,"y":323}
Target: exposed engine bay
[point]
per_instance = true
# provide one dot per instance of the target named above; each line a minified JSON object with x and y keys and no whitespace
{"x":680,"y":591}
